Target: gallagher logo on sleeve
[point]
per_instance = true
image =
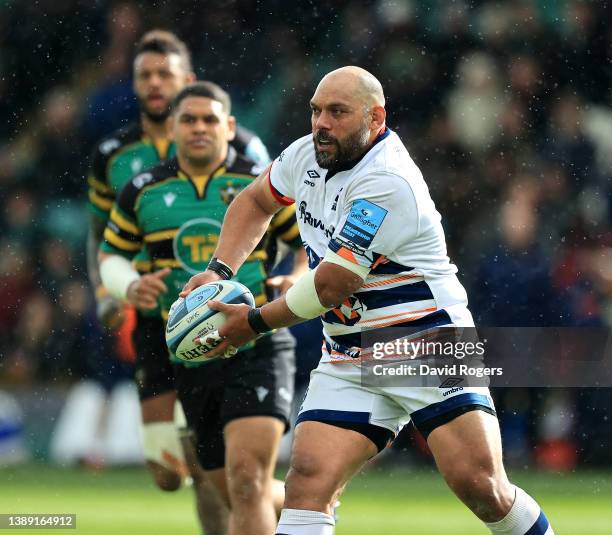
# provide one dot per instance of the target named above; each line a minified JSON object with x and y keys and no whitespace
{"x":363,"y":222}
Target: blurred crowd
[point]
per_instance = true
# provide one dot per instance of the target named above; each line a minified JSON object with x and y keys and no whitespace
{"x":505,"y":106}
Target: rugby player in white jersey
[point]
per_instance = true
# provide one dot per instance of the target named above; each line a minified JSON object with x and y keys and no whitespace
{"x":378,"y":257}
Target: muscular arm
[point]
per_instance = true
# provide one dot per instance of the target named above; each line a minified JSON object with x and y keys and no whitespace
{"x":245,"y":223}
{"x":142,"y":291}
{"x":333,"y":284}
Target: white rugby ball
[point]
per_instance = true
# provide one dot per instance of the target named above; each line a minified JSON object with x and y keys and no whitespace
{"x":190,"y":318}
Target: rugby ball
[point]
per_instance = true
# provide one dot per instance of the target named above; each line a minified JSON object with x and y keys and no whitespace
{"x":190,"y":318}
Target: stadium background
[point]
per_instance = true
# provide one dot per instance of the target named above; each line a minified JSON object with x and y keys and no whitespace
{"x":505,"y":106}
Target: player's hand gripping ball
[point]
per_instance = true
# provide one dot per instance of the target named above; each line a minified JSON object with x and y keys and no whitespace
{"x":191,"y":331}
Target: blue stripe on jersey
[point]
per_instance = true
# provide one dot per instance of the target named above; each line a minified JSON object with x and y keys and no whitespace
{"x":325,"y":415}
{"x":442,"y":407}
{"x":435,"y":319}
{"x":540,"y":526}
{"x":373,"y":299}
{"x":389,"y":267}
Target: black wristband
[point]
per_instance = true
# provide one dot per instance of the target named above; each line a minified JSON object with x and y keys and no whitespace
{"x":220,"y":268}
{"x":256,"y":322}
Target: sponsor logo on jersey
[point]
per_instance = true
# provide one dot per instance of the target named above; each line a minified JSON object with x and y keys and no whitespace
{"x":169,"y":198}
{"x":312,"y":174}
{"x":136,"y":165}
{"x":261,"y":392}
{"x":363,"y":222}
{"x":195,"y":242}
{"x":308,"y":219}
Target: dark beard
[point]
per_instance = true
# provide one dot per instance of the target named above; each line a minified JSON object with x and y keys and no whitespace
{"x":351,"y":149}
{"x":159,"y":117}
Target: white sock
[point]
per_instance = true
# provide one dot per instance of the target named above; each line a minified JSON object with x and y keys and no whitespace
{"x":524,"y":518}
{"x":302,"y":522}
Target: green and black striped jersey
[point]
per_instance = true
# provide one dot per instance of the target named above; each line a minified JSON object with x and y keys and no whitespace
{"x":119,"y":157}
{"x":177,"y":219}
{"x":129,"y":151}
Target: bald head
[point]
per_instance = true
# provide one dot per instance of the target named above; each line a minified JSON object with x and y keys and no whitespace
{"x":348,"y":114}
{"x":357,"y":82}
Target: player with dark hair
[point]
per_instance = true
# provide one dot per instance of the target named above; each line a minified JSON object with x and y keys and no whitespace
{"x":238,"y":408}
{"x":162,"y":67}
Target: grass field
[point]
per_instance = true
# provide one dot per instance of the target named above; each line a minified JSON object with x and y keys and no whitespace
{"x":380,"y":502}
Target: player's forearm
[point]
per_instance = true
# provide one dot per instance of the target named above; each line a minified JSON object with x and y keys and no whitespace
{"x":116,"y":274}
{"x":244,"y":225}
{"x":313,"y":294}
{"x":277,"y":314}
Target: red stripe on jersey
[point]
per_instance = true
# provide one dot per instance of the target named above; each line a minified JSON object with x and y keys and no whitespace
{"x":277,"y":194}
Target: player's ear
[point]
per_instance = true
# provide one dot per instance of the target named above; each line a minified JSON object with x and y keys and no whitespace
{"x":231,"y":123}
{"x":190,"y":78}
{"x":378,"y":114}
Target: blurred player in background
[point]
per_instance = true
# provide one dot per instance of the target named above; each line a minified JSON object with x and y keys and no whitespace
{"x":238,"y":408}
{"x":162,"y":67}
{"x":378,"y":253}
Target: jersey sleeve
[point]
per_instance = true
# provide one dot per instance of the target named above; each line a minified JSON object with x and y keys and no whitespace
{"x":281,"y":177}
{"x":100,"y":195}
{"x":284,"y":227}
{"x":123,"y":235}
{"x":380,"y":213}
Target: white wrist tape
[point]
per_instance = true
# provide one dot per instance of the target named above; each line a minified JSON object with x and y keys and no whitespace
{"x":161,"y":445}
{"x":117,"y":273}
{"x":333,"y":258}
{"x":302,"y":298}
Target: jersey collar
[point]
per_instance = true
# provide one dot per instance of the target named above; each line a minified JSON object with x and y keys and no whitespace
{"x":200,"y":183}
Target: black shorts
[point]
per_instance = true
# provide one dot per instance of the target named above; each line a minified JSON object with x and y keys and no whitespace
{"x":154,"y":373}
{"x":256,"y":382}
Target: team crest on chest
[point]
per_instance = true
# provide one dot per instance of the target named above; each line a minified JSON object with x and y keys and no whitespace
{"x":229,"y":192}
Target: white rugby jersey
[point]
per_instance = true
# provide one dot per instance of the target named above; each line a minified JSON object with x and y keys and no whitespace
{"x":377,"y":213}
